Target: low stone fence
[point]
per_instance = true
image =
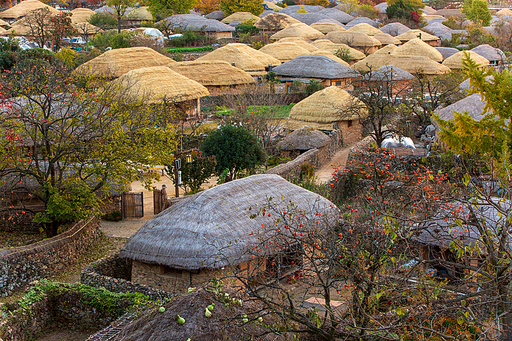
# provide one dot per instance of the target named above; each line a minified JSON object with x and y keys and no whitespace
{"x":293,"y":168}
{"x":21,"y":265}
{"x":114,"y":274}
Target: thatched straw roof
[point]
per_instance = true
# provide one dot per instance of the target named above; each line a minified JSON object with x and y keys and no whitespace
{"x":235,"y":56}
{"x":504,"y":12}
{"x":356,"y":39}
{"x":158,"y":83}
{"x":325,"y":44}
{"x":140,"y":14}
{"x":117,"y":62}
{"x":326,"y":27}
{"x":305,"y":138}
{"x":365,"y":28}
{"x":300,"y":30}
{"x":216,"y":15}
{"x":455,"y":61}
{"x":330,"y":55}
{"x":395,"y":28}
{"x":446,"y":51}
{"x":212,"y":73}
{"x":360,"y":20}
{"x":19,"y":27}
{"x":437,"y":28}
{"x":24,"y":7}
{"x":413,"y":34}
{"x":194,"y":21}
{"x":86,"y":28}
{"x":430,"y":17}
{"x":388,"y":72}
{"x":336,"y":14}
{"x":490,"y":53}
{"x":446,"y":12}
{"x":239,"y":16}
{"x":387,"y":39}
{"x":388,"y":49}
{"x":381,"y":7}
{"x":314,"y":66}
{"x":324,"y":108}
{"x":109,"y":10}
{"x":272,"y":6}
{"x":80,"y":15}
{"x":214,"y":228}
{"x":275,"y":21}
{"x":473,"y":104}
{"x":3,"y":31}
{"x":417,"y":47}
{"x":284,"y":51}
{"x":299,"y":41}
{"x":263,"y":58}
{"x":3,"y":23}
{"x":428,"y":10}
{"x":309,"y":18}
{"x":295,"y":8}
{"x":411,"y":64}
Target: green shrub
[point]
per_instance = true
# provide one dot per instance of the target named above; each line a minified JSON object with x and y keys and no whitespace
{"x":103,"y":20}
{"x":314,"y":86}
{"x":112,"y":216}
{"x":189,"y":49}
{"x":275,"y":160}
{"x":112,"y":39}
{"x":307,"y":171}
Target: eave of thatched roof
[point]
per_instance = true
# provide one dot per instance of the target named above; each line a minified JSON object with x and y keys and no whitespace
{"x":239,"y":16}
{"x":275,"y":21}
{"x":365,"y":28}
{"x":446,"y":51}
{"x":86,"y":28}
{"x":413,"y":34}
{"x":455,"y":61}
{"x":284,"y":51}
{"x":80,"y":15}
{"x":212,"y":73}
{"x":326,"y":27}
{"x":357,"y":39}
{"x":315,"y":66}
{"x":411,"y":64}
{"x":381,"y":7}
{"x":417,"y":47}
{"x":214,"y":228}
{"x":24,"y":7}
{"x":490,"y":53}
{"x":326,"y":44}
{"x":388,"y":49}
{"x":395,"y":29}
{"x":304,"y":139}
{"x":300,"y":30}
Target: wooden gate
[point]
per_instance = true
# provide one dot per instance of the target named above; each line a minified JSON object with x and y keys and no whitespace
{"x":159,"y":200}
{"x":132,"y":205}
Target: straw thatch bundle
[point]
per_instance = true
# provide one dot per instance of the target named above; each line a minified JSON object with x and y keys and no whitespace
{"x":140,"y":14}
{"x":309,"y":18}
{"x":490,"y":53}
{"x":19,"y":27}
{"x":388,"y":73}
{"x":413,"y":34}
{"x":284,"y":51}
{"x":428,"y":10}
{"x":239,"y":16}
{"x":299,"y":41}
{"x":357,"y":39}
{"x":117,"y":62}
{"x":79,"y":15}
{"x":504,"y":12}
{"x":314,"y":66}
{"x":236,"y":57}
{"x":272,"y":6}
{"x":300,"y":30}
{"x":212,"y":73}
{"x":327,"y":45}
{"x":323,"y":109}
{"x":303,"y":139}
{"x":275,"y":21}
{"x":158,"y":83}
{"x":214,"y":228}
{"x":24,"y":7}
{"x":336,"y":14}
{"x":455,"y":61}
{"x":329,"y":55}
{"x":417,"y":47}
{"x":411,"y":64}
{"x":326,"y":27}
{"x":295,"y":8}
{"x":388,"y":49}
{"x":446,"y":51}
{"x":371,"y":62}
{"x":447,"y":12}
{"x":216,"y":15}
{"x":360,"y":20}
{"x":437,"y":28}
{"x":387,"y":39}
{"x":395,"y":29}
{"x":263,"y":58}
{"x":365,"y":28}
{"x":473,"y":105}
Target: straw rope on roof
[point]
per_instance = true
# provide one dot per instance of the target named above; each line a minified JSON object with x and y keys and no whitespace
{"x":79,"y":15}
{"x":365,"y":28}
{"x":215,"y":228}
{"x":284,"y":51}
{"x":446,"y":51}
{"x":350,"y":38}
{"x":140,"y":14}
{"x":324,"y":108}
{"x":417,"y":47}
{"x":395,"y":29}
{"x":388,"y":49}
{"x":263,"y":58}
{"x":387,"y":39}
{"x":315,"y":66}
{"x":212,"y":73}
{"x":116,"y":62}
{"x":411,"y":64}
{"x":359,"y":20}
{"x":326,"y":44}
{"x":24,"y":7}
{"x":492,"y":54}
{"x":235,"y":56}
{"x":413,"y":34}
{"x":299,"y":41}
{"x":326,"y":27}
{"x":504,"y":12}
{"x":329,"y":55}
{"x":455,"y":61}
{"x":239,"y":16}
{"x":275,"y":21}
{"x":305,"y":138}
{"x":159,"y":83}
{"x":300,"y":30}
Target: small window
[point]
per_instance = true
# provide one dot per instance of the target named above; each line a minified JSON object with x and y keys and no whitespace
{"x":349,"y":124}
{"x":338,"y":83}
{"x":170,"y":272}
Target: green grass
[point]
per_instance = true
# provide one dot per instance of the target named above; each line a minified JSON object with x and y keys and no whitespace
{"x":189,"y":49}
{"x":275,"y":110}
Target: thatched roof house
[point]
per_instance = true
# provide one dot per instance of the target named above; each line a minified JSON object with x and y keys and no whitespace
{"x":327,"y":45}
{"x":80,"y":15}
{"x":284,"y":51}
{"x":360,"y":20}
{"x":138,"y":15}
{"x":414,"y":34}
{"x":381,"y":8}
{"x":388,"y":49}
{"x":365,"y":28}
{"x":359,"y":41}
{"x":389,"y":72}
{"x":304,"y":139}
{"x":504,"y":12}
{"x":395,"y":29}
{"x":446,"y":51}
{"x":300,"y":30}
{"x":387,"y":39}
{"x":329,"y":54}
{"x":455,"y":61}
{"x":309,"y":18}
{"x":473,"y":105}
{"x":417,"y":47}
{"x":263,"y":58}
{"x":117,"y":62}
{"x":216,"y":15}
{"x":295,"y":8}
{"x":447,"y":12}
{"x":239,"y":16}
{"x":494,"y":55}
{"x":299,"y":41}
{"x":213,"y":28}
{"x":437,"y":29}
{"x":337,"y":15}
{"x":275,"y":22}
{"x":236,"y":57}
{"x":272,"y":6}
{"x":412,"y":64}
{"x":23,"y":8}
{"x":326,"y":27}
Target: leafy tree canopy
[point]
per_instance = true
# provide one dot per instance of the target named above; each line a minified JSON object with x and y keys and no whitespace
{"x":165,"y":8}
{"x":231,"y":6}
{"x":477,"y":11}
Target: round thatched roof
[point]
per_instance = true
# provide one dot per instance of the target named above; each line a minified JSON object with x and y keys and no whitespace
{"x":305,"y":138}
{"x":330,"y":55}
{"x":504,"y":12}
{"x":437,"y":28}
{"x":214,"y":228}
{"x":80,"y":15}
{"x":263,"y":58}
{"x":327,"y":45}
{"x":314,"y":66}
{"x":455,"y":61}
{"x":490,"y":53}
{"x":428,"y":10}
{"x":140,"y":14}
{"x":324,"y":108}
{"x":388,"y":73}
{"x":158,"y":83}
{"x":234,"y":55}
{"x":19,"y":27}
{"x":360,"y":20}
{"x":350,"y":38}
{"x":417,"y":47}
{"x":275,"y":21}
{"x":413,"y":34}
{"x":388,"y":49}
{"x":336,"y":14}
{"x":365,"y":28}
{"x":411,"y":64}
{"x":381,"y":7}
{"x":309,"y":18}
{"x":395,"y":28}
{"x":216,"y":15}
{"x":447,"y":12}
{"x":24,"y":7}
{"x":446,"y":51}
{"x":326,"y":27}
{"x":430,"y":17}
{"x":300,"y":30}
{"x":299,"y":41}
{"x":387,"y":39}
{"x":272,"y":6}
{"x":212,"y":73}
{"x":194,"y":21}
{"x":284,"y":51}
{"x":239,"y":16}
{"x":295,"y":8}
{"x":473,"y":104}
{"x":117,"y":62}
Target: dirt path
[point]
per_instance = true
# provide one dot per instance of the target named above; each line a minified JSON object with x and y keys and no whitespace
{"x":339,"y":160}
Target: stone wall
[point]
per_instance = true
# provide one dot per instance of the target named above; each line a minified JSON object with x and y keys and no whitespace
{"x":21,"y":265}
{"x":114,"y":274}
{"x":293,"y":168}
{"x":336,"y":142}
